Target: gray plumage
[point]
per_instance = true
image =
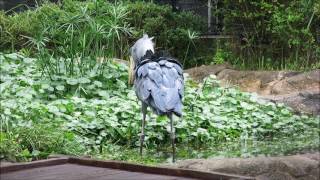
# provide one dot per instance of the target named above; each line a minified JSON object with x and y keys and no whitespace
{"x":158,"y":83}
{"x":160,"y":86}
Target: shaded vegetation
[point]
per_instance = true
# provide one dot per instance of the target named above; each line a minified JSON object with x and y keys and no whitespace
{"x":272,"y":34}
{"x":95,"y":28}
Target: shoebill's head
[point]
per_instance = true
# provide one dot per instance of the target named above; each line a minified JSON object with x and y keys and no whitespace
{"x":142,"y":47}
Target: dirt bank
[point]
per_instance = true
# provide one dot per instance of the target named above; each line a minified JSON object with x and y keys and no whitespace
{"x":299,"y":90}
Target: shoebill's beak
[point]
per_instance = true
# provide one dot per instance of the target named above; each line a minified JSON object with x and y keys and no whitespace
{"x":131,"y":71}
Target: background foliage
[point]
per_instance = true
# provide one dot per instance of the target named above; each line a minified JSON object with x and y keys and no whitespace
{"x":266,"y":35}
{"x":96,"y":28}
{"x":273,"y":34}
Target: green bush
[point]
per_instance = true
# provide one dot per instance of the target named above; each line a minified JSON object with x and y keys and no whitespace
{"x":170,"y":29}
{"x":284,"y":32}
{"x":36,"y":141}
{"x":274,"y":35}
{"x":96,"y":28}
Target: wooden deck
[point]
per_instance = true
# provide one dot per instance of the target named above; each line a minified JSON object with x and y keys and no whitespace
{"x":69,"y":168}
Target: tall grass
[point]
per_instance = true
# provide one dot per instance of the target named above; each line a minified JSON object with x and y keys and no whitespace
{"x":77,"y":29}
{"x":78,"y":37}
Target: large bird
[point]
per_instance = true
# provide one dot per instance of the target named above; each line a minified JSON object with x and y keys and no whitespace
{"x":158,"y":84}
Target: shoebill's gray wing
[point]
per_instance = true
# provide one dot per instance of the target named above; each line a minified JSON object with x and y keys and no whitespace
{"x":160,"y":85}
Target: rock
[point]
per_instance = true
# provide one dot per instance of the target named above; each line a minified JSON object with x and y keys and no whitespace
{"x":308,"y":177}
{"x":274,"y":176}
{"x":304,"y":166}
{"x":302,"y":81}
{"x":298,"y":166}
{"x":198,"y":73}
{"x":305,"y":101}
{"x":255,"y":81}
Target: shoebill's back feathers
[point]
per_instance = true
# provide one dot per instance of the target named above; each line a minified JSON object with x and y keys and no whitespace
{"x":159,"y":84}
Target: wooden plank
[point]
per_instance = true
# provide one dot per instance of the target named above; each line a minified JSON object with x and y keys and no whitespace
{"x":156,"y":170}
{"x":68,"y":171}
{"x":84,"y":168}
{"x":34,"y":164}
{"x":80,"y":172}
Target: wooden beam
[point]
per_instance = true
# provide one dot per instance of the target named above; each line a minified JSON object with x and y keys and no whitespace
{"x":65,"y":161}
{"x":33,"y":164}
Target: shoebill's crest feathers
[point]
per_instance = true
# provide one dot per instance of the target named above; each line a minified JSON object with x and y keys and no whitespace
{"x":141,"y":47}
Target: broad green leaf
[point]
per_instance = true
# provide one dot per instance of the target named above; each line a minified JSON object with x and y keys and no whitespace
{"x":72,"y":81}
{"x":60,"y":88}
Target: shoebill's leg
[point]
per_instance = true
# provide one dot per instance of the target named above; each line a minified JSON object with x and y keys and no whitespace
{"x":172,"y":138}
{"x":144,"y":113}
